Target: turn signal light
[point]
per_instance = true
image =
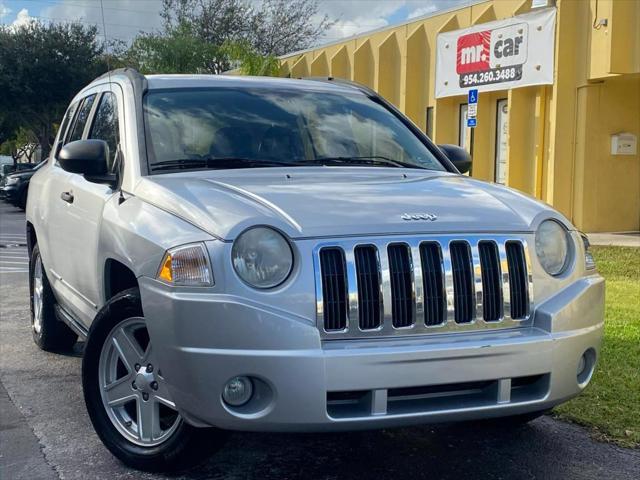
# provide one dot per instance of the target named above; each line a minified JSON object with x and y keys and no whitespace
{"x":187,"y":265}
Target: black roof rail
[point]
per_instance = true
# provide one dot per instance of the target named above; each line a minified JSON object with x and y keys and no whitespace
{"x":138,"y":80}
{"x":127,"y":71}
{"x":346,"y":83}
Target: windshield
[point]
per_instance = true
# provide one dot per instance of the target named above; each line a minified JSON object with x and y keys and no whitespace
{"x":243,"y":128}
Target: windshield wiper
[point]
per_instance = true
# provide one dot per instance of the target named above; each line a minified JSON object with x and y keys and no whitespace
{"x":362,"y":160}
{"x":217,"y":163}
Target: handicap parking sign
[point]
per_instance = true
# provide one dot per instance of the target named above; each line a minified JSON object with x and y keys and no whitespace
{"x":471,"y":122}
{"x":473,"y":96}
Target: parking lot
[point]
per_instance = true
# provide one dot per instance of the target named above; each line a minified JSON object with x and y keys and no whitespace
{"x":45,"y":431}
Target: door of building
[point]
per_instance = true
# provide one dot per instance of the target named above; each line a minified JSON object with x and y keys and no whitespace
{"x":502,"y":130}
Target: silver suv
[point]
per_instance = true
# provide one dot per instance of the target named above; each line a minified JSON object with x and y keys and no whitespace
{"x":293,"y":255}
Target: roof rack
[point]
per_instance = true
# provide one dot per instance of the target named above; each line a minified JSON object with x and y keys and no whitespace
{"x":129,"y":72}
{"x":138,"y":80}
{"x":346,"y":83}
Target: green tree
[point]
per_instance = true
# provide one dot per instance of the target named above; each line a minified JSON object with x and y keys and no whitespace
{"x":249,"y":61}
{"x":42,"y":66}
{"x":178,"y":51}
{"x":268,"y":27}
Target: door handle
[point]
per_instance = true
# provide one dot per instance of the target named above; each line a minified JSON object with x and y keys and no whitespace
{"x":67,"y":197}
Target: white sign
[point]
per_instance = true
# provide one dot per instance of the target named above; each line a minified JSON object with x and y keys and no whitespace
{"x":510,"y":53}
{"x":624,"y":144}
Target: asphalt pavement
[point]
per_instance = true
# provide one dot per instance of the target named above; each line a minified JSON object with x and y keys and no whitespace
{"x":45,"y":432}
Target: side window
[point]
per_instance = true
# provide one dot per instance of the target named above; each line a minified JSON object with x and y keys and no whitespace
{"x":64,"y":126}
{"x":105,"y":125}
{"x":71,"y":111}
{"x":81,"y":119}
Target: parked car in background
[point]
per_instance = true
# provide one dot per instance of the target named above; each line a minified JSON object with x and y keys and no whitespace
{"x":5,"y":161}
{"x":14,"y":187}
{"x":263,"y":254}
{"x":7,"y":168}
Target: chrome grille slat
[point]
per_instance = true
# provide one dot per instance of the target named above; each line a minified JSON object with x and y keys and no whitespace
{"x":476,"y":278}
{"x":353,"y":305}
{"x":407,"y":286}
{"x":418,"y":284}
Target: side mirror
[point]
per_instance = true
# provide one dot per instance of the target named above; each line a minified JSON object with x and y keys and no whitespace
{"x":458,"y":156}
{"x":88,"y":158}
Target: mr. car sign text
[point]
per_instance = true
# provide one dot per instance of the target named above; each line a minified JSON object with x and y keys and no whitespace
{"x":491,"y":56}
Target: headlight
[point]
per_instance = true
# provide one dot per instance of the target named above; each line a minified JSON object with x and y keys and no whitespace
{"x":552,"y":247}
{"x":186,"y":265}
{"x":262,"y":257}
{"x":589,"y":261}
{"x":12,"y":180}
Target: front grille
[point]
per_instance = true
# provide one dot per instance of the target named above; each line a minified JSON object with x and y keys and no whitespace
{"x":334,"y":286}
{"x":419,"y":286}
{"x":433,"y":281}
{"x":517,"y":280}
{"x":369,"y":296}
{"x":401,"y":285}
{"x":491,"y":291}
{"x":463,"y":295}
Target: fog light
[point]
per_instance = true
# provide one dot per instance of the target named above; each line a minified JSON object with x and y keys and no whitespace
{"x":586,"y":366}
{"x":582,"y":365}
{"x":237,"y":391}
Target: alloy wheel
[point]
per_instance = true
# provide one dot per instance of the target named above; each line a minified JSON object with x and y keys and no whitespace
{"x":133,"y":390}
{"x":38,"y":290}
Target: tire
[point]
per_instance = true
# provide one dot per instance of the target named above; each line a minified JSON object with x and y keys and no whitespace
{"x":22,"y":201}
{"x":49,"y":333}
{"x":128,"y":369}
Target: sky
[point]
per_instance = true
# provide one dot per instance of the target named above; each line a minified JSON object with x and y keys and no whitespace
{"x":123,"y":19}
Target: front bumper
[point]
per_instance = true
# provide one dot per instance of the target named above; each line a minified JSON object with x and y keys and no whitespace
{"x":305,"y":384}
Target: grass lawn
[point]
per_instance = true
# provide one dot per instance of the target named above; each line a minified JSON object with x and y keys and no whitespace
{"x":610,"y":405}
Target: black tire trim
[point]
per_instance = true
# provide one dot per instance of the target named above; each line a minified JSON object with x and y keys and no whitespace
{"x":54,"y":335}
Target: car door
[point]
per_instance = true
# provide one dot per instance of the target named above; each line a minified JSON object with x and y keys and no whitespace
{"x":57,"y":213}
{"x":84,"y":273}
{"x":51,"y":211}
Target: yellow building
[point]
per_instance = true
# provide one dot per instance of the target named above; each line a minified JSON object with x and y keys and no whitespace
{"x":569,"y":142}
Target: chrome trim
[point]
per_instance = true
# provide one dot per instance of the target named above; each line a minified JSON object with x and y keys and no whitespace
{"x":353,"y":308}
{"x":413,"y":243}
{"x":73,"y":290}
{"x":504,"y":272}
{"x":476,"y":271}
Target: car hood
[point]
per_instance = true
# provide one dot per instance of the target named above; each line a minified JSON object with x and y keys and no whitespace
{"x":337,"y":201}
